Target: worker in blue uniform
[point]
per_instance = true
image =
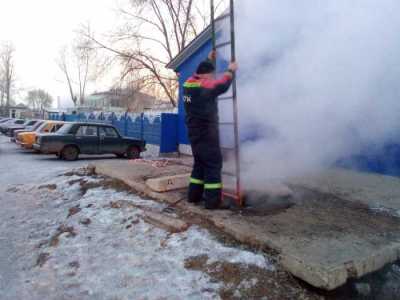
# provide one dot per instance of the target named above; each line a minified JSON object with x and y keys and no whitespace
{"x":201,"y":105}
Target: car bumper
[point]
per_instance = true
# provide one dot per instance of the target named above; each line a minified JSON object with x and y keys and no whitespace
{"x":44,"y":149}
{"x":24,"y":145}
{"x":38,"y":147}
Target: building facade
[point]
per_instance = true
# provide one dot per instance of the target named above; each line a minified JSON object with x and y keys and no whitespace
{"x":121,"y":100}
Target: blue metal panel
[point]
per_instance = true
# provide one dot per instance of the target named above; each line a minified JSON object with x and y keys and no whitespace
{"x":377,"y":159}
{"x":53,"y":116}
{"x":119,"y":123}
{"x":169,"y":133}
{"x":185,"y":71}
{"x":71,"y":118}
{"x":134,"y":127}
{"x":152,"y":131}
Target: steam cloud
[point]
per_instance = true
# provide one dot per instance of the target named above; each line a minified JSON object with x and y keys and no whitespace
{"x":318,"y":81}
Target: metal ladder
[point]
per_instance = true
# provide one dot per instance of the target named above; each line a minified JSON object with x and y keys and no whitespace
{"x":231,"y":178}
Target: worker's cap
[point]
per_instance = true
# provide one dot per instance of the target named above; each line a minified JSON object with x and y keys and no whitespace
{"x":205,"y":67}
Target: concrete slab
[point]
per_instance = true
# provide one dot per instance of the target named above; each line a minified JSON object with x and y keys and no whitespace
{"x":168,"y":183}
{"x":168,"y":223}
{"x":321,"y":238}
{"x":371,"y":189}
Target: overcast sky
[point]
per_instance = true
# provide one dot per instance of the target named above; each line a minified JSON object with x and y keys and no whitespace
{"x":40,"y":28}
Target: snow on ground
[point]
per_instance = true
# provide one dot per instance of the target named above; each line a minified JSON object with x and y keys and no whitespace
{"x":385,"y":210}
{"x":103,"y":251}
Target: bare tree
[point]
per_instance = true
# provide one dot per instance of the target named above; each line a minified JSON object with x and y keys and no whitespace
{"x":63,"y":64}
{"x":152,"y":33}
{"x":78,"y":65}
{"x":2,"y":89}
{"x":7,"y":74}
{"x":39,"y":99}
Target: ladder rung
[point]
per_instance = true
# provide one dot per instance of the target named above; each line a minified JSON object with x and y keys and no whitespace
{"x":225,"y":98}
{"x":230,"y":195}
{"x":230,"y":150}
{"x":227,"y":173}
{"x":223,"y":45}
{"x":223,"y":17}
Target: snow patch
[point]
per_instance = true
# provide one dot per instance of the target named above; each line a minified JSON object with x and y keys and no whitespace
{"x":118,"y":255}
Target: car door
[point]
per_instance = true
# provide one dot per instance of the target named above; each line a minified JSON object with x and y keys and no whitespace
{"x":87,"y":139}
{"x":110,"y":140}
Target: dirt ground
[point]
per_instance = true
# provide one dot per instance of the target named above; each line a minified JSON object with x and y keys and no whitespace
{"x":314,"y":214}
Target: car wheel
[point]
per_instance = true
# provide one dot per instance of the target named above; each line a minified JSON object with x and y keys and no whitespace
{"x":70,"y":153}
{"x":133,"y":152}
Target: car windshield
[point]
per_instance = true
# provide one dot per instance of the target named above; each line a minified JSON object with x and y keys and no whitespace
{"x":41,"y":127}
{"x":65,"y":129}
{"x":31,"y":122}
{"x":37,"y":125}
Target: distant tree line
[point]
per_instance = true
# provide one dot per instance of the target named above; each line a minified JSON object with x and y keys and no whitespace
{"x":38,"y":100}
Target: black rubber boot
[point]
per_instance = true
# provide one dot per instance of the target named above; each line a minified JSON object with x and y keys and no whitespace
{"x":195,"y":194}
{"x":213,"y":199}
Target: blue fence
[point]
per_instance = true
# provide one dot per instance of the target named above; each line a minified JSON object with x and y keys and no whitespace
{"x":155,"y":129}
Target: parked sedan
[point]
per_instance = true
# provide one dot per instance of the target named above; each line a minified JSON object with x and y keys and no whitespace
{"x":26,"y":129}
{"x":87,"y":138}
{"x":4,"y":126}
{"x":10,"y":129}
{"x":27,"y":139}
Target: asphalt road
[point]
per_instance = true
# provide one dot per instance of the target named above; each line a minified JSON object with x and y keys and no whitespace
{"x":20,"y":166}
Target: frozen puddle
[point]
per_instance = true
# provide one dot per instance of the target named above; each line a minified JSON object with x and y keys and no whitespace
{"x":88,"y":248}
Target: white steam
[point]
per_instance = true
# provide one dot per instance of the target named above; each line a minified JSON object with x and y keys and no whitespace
{"x":319,"y":80}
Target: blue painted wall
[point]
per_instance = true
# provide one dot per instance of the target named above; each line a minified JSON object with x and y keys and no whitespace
{"x":186,"y":70}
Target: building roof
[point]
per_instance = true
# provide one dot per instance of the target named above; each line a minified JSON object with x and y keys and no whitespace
{"x":195,"y":45}
{"x":19,"y":106}
{"x":190,"y":49}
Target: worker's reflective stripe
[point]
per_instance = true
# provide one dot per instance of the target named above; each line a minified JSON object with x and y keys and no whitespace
{"x":192,"y":85}
{"x":213,"y":186}
{"x":196,"y":181}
